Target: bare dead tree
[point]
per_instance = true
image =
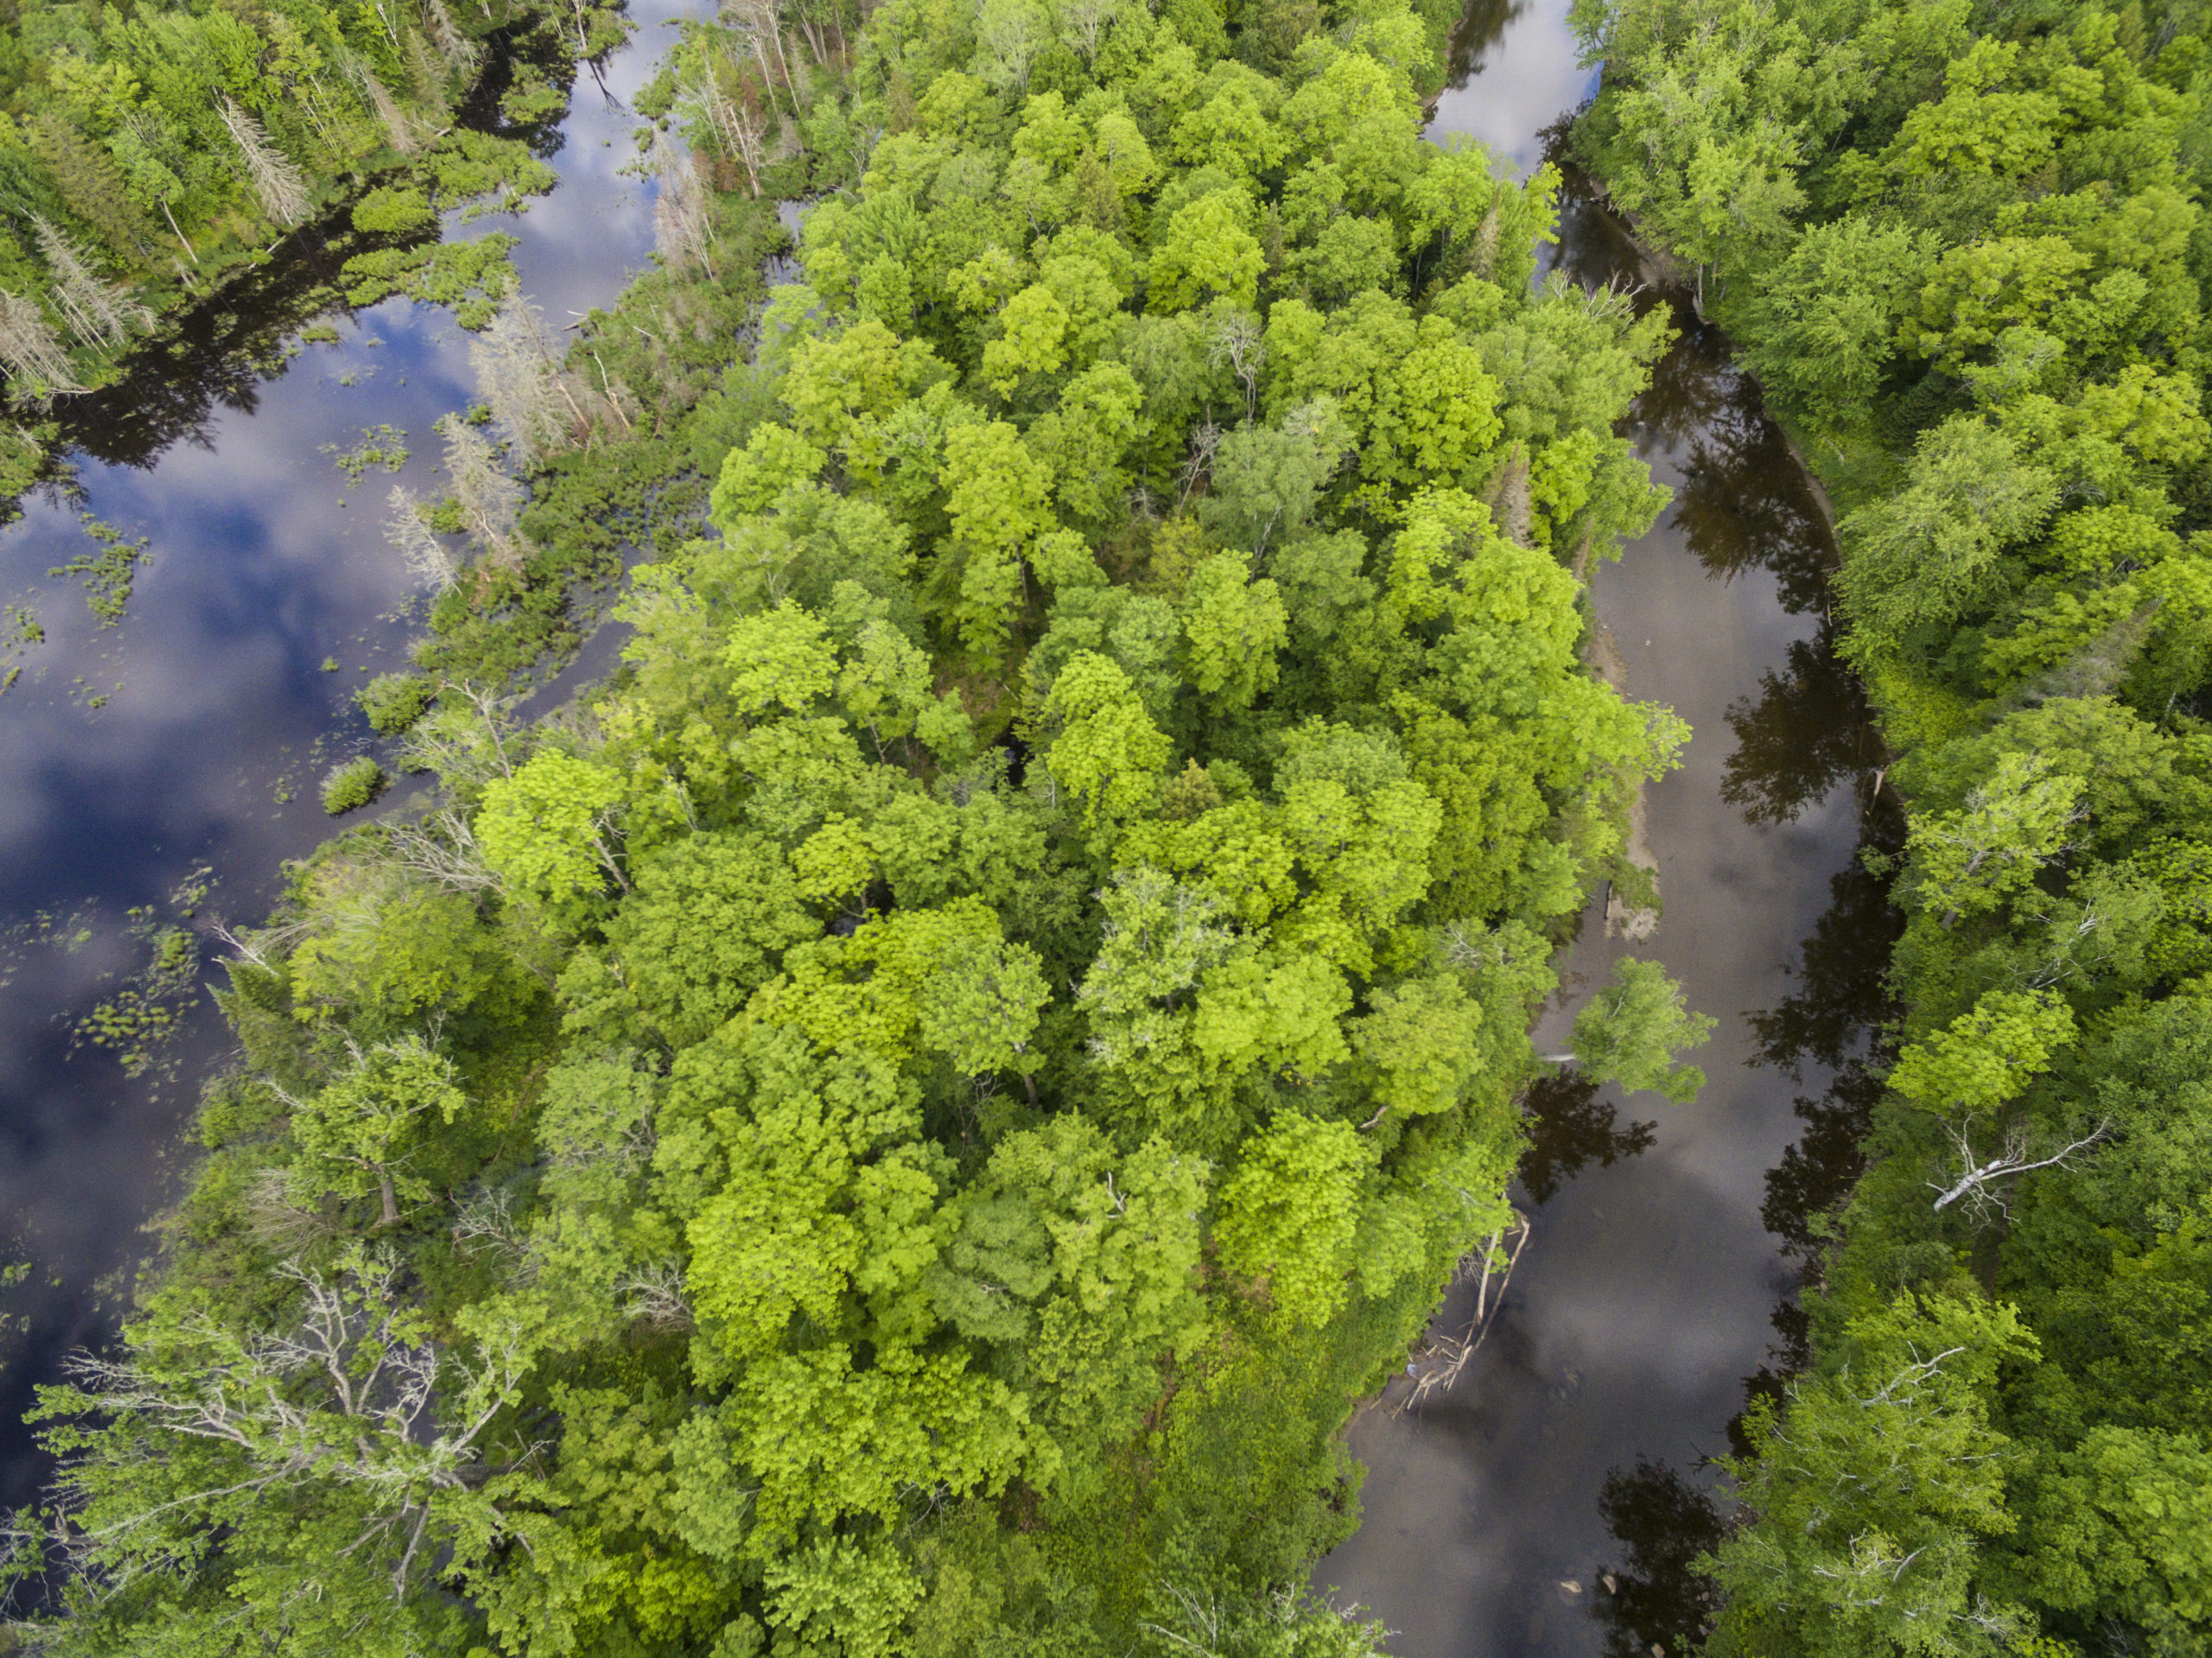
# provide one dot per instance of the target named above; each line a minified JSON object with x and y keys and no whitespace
{"x":491,"y":708}
{"x":515,"y":366}
{"x":759,"y":22}
{"x":1205,"y":439}
{"x":417,"y":544}
{"x":456,"y":48}
{"x":98,"y":313}
{"x":490,"y":500}
{"x":278,"y":185}
{"x":654,"y":1294}
{"x":1483,"y":256}
{"x":441,"y":849}
{"x":263,"y":946}
{"x":397,"y":127}
{"x":1083,"y":21}
{"x":1513,"y":501}
{"x":1236,"y":341}
{"x":738,"y":129}
{"x":683,"y":222}
{"x":1976,"y":1183}
{"x":1442,"y":1357}
{"x":352,"y":1394}
{"x":484,"y":1224}
{"x":282,"y":1216}
{"x":38,"y":367}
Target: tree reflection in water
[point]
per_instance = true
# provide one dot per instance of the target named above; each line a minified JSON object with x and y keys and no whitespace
{"x":1791,"y":750}
{"x":1654,"y":1601}
{"x":1837,"y":1020}
{"x":1480,"y":28}
{"x":1569,"y":1127}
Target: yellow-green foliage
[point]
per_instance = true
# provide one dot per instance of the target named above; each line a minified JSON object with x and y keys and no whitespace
{"x":352,"y":784}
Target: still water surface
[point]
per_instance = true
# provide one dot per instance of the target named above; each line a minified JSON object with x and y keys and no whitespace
{"x":201,"y":767}
{"x":1549,"y":1502}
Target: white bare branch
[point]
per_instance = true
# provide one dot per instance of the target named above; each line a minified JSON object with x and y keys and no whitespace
{"x":419,"y":548}
{"x":490,"y":500}
{"x":98,"y":313}
{"x":655,"y":1295}
{"x":1976,"y":1176}
{"x":37,"y":365}
{"x":279,"y":184}
{"x":683,"y":221}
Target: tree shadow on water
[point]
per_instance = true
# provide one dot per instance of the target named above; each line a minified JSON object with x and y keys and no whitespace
{"x":1654,"y":1602}
{"x":1480,"y":28}
{"x":1807,"y":731}
{"x":1569,"y":1129}
{"x":1836,"y":1020}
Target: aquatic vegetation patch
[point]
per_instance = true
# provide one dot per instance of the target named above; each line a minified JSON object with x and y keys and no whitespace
{"x":467,"y":278}
{"x":20,"y":631}
{"x":134,"y":1022}
{"x":109,"y":574}
{"x":394,"y":701}
{"x":381,"y":445}
{"x":352,"y":785}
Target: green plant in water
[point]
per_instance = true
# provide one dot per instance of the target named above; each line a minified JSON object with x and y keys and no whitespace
{"x":394,"y":701}
{"x":134,"y":1022}
{"x":354,"y":783}
{"x":108,"y":573}
{"x":381,"y":445}
{"x":20,"y":629}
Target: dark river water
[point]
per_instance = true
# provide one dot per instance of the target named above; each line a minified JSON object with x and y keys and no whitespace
{"x":1549,"y":1502}
{"x":181,"y":750}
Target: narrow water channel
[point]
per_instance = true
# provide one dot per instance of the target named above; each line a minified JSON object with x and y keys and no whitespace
{"x":160,"y":771}
{"x":1550,"y":1501}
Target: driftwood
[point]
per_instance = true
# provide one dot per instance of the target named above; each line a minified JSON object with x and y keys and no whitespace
{"x":1441,"y":1358}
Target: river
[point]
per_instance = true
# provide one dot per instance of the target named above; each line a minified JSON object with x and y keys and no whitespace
{"x":200,"y":766}
{"x":1549,"y":1502}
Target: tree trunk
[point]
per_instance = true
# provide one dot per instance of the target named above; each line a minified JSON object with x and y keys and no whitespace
{"x":180,"y":235}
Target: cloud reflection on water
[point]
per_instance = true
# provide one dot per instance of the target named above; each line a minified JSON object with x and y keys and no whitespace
{"x":216,"y":700}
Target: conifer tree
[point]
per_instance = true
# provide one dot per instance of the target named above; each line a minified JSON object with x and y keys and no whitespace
{"x":91,"y":183}
{"x":278,"y":185}
{"x":98,"y":312}
{"x":30,"y":351}
{"x":489,"y":499}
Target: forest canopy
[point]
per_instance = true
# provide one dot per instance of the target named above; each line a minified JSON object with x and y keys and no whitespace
{"x":905,"y":1121}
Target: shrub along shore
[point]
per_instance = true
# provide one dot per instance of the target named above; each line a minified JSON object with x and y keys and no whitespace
{"x":1964,"y":247}
{"x":905,"y":1122}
